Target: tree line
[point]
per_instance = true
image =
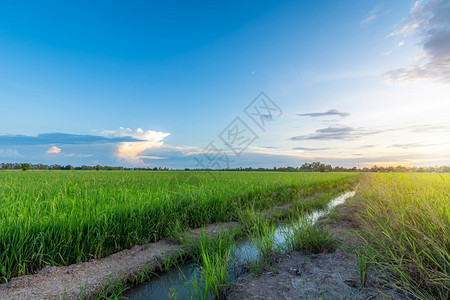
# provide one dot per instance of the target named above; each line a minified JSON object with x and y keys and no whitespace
{"x":28,"y":166}
{"x":320,"y":167}
{"x":306,"y":167}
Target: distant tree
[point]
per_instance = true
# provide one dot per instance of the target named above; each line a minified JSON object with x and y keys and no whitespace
{"x":445,"y":169}
{"x":25,"y":166}
{"x":321,"y":168}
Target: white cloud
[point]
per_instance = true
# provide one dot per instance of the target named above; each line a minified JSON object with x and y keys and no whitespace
{"x":53,"y":150}
{"x":431,"y":24}
{"x":134,"y":152}
{"x":10,"y":153}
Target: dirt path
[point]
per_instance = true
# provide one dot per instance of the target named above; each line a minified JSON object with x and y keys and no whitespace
{"x":89,"y":278}
{"x":322,"y":276}
{"x":318,"y":276}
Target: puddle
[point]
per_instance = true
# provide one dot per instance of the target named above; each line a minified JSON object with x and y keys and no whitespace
{"x":244,"y":251}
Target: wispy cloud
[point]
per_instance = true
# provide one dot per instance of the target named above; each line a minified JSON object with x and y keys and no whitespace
{"x":442,"y":127}
{"x":431,"y":24}
{"x":369,"y":18}
{"x":342,"y":132}
{"x":133,"y":152}
{"x":411,"y":145}
{"x":53,"y":150}
{"x":9,"y":153}
{"x":372,"y":16}
{"x":333,"y":132}
{"x":331,"y":112}
{"x":339,"y":132}
{"x":406,"y":30}
{"x":310,"y":149}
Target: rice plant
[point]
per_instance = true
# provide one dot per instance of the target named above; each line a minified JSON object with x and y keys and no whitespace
{"x":406,"y":222}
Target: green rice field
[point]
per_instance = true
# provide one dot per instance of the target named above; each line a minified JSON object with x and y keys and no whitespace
{"x":64,"y":217}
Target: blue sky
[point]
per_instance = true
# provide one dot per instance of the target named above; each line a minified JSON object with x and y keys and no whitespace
{"x":154,"y":83}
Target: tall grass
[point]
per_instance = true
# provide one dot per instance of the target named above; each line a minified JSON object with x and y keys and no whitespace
{"x":407,"y":229}
{"x":213,"y":257}
{"x":305,"y":236}
{"x":263,"y":239}
{"x":64,"y":217}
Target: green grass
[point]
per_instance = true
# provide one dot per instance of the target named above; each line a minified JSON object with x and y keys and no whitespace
{"x":364,"y":263}
{"x":307,"y":237}
{"x":263,"y":238}
{"x":406,"y":228}
{"x":213,"y":256}
{"x":65,"y":217}
{"x":111,"y":290}
{"x":214,"y":270}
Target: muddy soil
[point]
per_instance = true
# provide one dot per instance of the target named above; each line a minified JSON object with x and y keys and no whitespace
{"x":319,"y":276}
{"x":87,"y":279}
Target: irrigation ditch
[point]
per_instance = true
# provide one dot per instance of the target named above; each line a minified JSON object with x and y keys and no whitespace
{"x":180,"y":282}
